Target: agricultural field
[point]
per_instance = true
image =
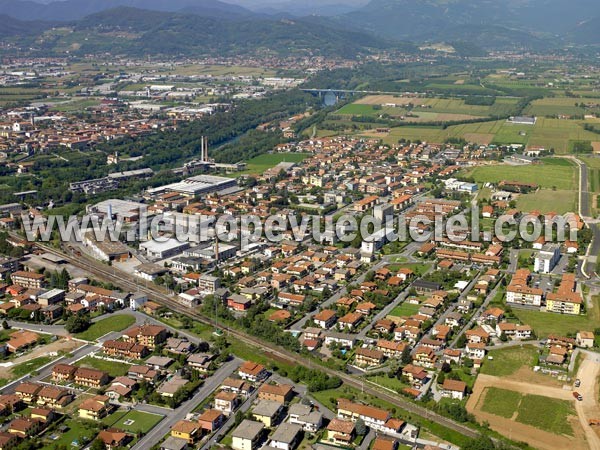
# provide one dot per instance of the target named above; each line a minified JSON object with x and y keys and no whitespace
{"x":427,"y":109}
{"x":553,"y":106}
{"x":556,"y":134}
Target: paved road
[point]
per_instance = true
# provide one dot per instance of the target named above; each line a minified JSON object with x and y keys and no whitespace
{"x":212,"y":383}
{"x":46,"y":370}
{"x":477,"y":313}
{"x":126,"y":281}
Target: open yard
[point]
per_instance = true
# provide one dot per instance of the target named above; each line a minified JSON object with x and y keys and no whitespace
{"x":545,"y":323}
{"x":117,"y":322}
{"x":508,"y":361}
{"x":405,"y":310}
{"x":78,"y":432}
{"x":132,"y":421}
{"x":114,"y":369}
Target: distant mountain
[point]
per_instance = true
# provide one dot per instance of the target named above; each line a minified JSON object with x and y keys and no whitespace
{"x":69,"y":10}
{"x":10,"y":26}
{"x":586,"y":32}
{"x":139,"y":32}
{"x":500,"y":24}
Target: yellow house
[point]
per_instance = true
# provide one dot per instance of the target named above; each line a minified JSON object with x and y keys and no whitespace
{"x":564,"y":304}
{"x":187,"y":430}
{"x":267,"y":412}
{"x":94,"y":408}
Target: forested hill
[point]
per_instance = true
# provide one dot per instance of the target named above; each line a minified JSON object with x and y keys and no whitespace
{"x":138,"y":32}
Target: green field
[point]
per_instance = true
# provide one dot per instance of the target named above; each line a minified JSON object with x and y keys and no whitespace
{"x":405,"y":310}
{"x":29,"y":366}
{"x":393,"y":384}
{"x":549,"y":133}
{"x":114,"y":369}
{"x":142,"y":421}
{"x":77,"y":433}
{"x":501,"y":402}
{"x":260,"y":163}
{"x":507,"y":361}
{"x":548,"y":200}
{"x":551,"y":173}
{"x":117,"y":322}
{"x":546,"y":413}
{"x":551,"y":106}
{"x":541,"y":412}
{"x":545,"y":323}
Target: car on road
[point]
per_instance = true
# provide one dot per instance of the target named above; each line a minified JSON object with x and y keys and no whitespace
{"x":577,"y":382}
{"x":578,"y":396}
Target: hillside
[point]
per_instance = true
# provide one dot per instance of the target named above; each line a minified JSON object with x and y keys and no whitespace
{"x":492,"y":24}
{"x":138,"y":32}
{"x":69,"y":10}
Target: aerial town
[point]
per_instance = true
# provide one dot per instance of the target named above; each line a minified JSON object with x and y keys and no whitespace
{"x":318,"y":243}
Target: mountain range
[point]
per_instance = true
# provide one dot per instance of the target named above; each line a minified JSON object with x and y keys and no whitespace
{"x":336,"y":27}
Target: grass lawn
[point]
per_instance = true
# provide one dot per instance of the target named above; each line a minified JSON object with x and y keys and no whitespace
{"x":117,"y":322}
{"x":260,"y":163}
{"x":142,"y":421}
{"x":30,"y":366}
{"x":501,"y":402}
{"x":417,"y":268}
{"x":508,"y":361}
{"x":114,"y":369}
{"x":548,"y":200}
{"x":405,"y":310}
{"x":545,"y":323}
{"x":553,"y":172}
{"x":390,"y":383}
{"x":546,"y":413}
{"x":78,"y":432}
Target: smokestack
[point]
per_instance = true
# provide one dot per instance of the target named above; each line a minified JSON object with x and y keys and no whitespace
{"x":217,"y":250}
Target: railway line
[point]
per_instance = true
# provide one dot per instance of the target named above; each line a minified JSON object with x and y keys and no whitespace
{"x":129,"y":282}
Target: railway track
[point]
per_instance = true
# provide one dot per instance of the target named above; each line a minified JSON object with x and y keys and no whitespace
{"x":129,"y":282}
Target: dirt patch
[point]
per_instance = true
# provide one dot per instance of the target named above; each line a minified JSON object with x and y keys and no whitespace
{"x":479,"y":138}
{"x":63,"y":345}
{"x":383,"y":99}
{"x":520,"y":432}
{"x":596,"y":146}
{"x":526,"y":375}
{"x":589,"y":408}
